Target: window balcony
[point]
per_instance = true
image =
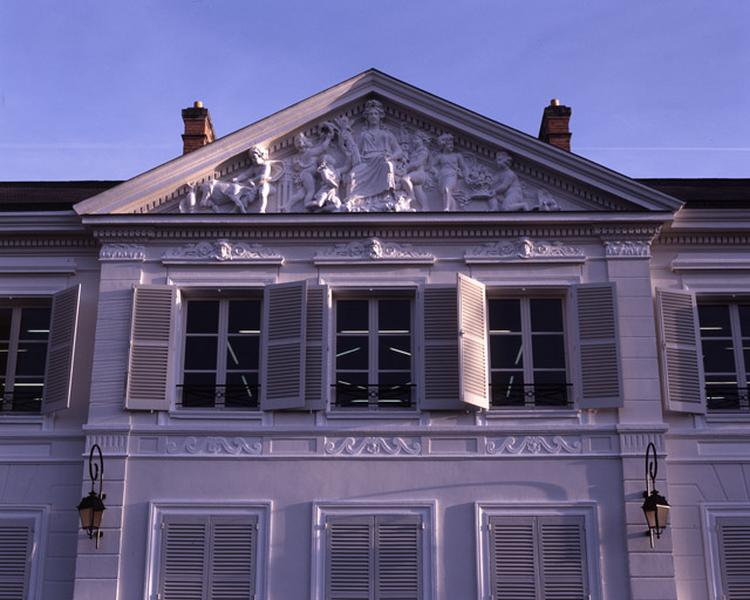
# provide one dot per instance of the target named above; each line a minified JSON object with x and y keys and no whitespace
{"x":727,"y":398}
{"x":218,"y":397}
{"x":373,"y":396}
{"x":534,"y":395}
{"x":22,"y":402}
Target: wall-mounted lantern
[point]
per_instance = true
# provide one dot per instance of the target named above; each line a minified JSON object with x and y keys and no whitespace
{"x":655,"y":506}
{"x":92,"y":506}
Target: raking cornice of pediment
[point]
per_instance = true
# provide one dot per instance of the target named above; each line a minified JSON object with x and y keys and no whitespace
{"x":597,"y":187}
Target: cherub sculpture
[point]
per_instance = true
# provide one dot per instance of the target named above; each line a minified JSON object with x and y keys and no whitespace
{"x":305,"y":162}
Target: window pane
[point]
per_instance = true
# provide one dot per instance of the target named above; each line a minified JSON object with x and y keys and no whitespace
{"x":242,"y":352}
{"x":3,"y":358}
{"x":548,"y":351}
{"x":352,"y":316}
{"x":714,"y":320}
{"x":505,"y":314}
{"x":244,"y":316}
{"x":395,"y":352}
{"x":550,"y":388}
{"x":744,"y":310}
{"x":5,"y":317}
{"x":394,"y":390}
{"x":34,"y":323}
{"x":352,"y":389}
{"x":31,"y":358}
{"x":241,"y":390}
{"x":722,"y":392}
{"x":200,"y":353}
{"x":394,"y":315}
{"x":718,"y":356}
{"x":507,"y":388}
{"x":27,"y":394}
{"x":546,"y":314}
{"x":351,"y":352}
{"x":506,"y":351}
{"x":198,"y":389}
{"x":203,"y":316}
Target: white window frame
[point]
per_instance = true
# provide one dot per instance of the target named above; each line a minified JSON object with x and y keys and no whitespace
{"x":40,"y":516}
{"x":218,"y":508}
{"x":710,"y":512}
{"x":426,"y":511}
{"x":485,"y":510}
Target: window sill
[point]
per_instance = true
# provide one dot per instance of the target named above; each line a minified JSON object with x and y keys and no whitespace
{"x":216,"y":415}
{"x":532,"y":413}
{"x":728,"y":417}
{"x":373,"y":414}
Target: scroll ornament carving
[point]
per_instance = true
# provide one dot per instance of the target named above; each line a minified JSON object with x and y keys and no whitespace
{"x":627,"y":248}
{"x":122,"y":252}
{"x":215,"y":446}
{"x":222,"y":251}
{"x":535,"y":444}
{"x":524,"y":248}
{"x":374,"y":249}
{"x":373,"y":446}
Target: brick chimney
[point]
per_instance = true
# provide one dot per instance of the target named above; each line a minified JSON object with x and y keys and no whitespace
{"x":555,"y":127}
{"x":199,"y":130}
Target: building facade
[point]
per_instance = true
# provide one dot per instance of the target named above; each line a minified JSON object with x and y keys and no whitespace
{"x":376,"y":346}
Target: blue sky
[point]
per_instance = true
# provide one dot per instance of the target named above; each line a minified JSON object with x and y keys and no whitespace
{"x":93,"y":89}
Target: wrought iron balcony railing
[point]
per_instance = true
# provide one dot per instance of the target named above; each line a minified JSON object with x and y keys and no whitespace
{"x":19,"y":401}
{"x":532,"y":395}
{"x":222,"y":397}
{"x":374,"y":396}
{"x":727,"y":398}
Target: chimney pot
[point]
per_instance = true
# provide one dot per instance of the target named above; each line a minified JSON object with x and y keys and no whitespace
{"x":197,"y":104}
{"x":199,"y":129}
{"x":555,"y":126}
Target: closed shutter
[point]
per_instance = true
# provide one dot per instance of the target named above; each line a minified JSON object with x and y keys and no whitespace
{"x":681,"y":360}
{"x":600,"y":378}
{"x":398,"y":557}
{"x":150,"y":336}
{"x":62,"y":339}
{"x":734,"y":556}
{"x":563,"y":558}
{"x":16,"y":541}
{"x":284,"y":330}
{"x":538,"y":558}
{"x":440,"y":326}
{"x":184,"y":554}
{"x":233,"y":558}
{"x":317,"y":305}
{"x":350,"y":558}
{"x":472,"y":342}
{"x":513,"y":568}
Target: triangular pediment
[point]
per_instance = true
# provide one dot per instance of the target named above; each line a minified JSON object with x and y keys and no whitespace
{"x":375,"y":144}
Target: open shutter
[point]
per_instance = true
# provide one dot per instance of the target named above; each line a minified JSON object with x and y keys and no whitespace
{"x":150,"y":334}
{"x":317,"y":304}
{"x":284,"y":333}
{"x":62,"y":339}
{"x":233,"y":558}
{"x":599,"y":378}
{"x":681,"y":360}
{"x":513,"y":571}
{"x":440,"y":328}
{"x":350,"y":558}
{"x":16,"y":540}
{"x":184,"y":558}
{"x":398,"y":557}
{"x":562,"y":544}
{"x":472,"y":342}
{"x":734,"y":554}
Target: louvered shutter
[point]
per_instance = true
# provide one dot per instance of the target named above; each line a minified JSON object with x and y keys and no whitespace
{"x":233,"y":558}
{"x":513,"y":566}
{"x":472,"y":342}
{"x":734,"y":556}
{"x":398,"y":557}
{"x":16,"y":541}
{"x":599,"y":378}
{"x":317,"y":305}
{"x":184,"y":558}
{"x":58,"y":374}
{"x":349,"y":558}
{"x":150,"y":336}
{"x":681,"y":360}
{"x":440,"y":326}
{"x":284,"y":331}
{"x":562,"y":545}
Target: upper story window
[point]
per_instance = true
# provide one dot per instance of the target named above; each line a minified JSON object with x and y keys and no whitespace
{"x":24,"y":335}
{"x":374,"y":353}
{"x":222,"y":353}
{"x":725,"y":342}
{"x":527,"y":352}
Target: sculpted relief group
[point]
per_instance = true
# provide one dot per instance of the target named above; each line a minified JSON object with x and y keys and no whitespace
{"x":368,"y":165}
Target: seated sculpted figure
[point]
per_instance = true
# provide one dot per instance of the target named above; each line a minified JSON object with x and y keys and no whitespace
{"x":508,"y":190}
{"x":326,"y":197}
{"x":450,"y":166}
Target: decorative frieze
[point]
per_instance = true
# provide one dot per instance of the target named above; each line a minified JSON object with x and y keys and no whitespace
{"x":535,"y":444}
{"x":627,"y":248}
{"x":373,"y":446}
{"x":122,"y":252}
{"x":214,"y":446}
{"x":373,"y":250}
{"x":524,"y":249}
{"x":222,"y":251}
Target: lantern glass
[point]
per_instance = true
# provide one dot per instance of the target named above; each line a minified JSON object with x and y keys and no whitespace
{"x":87,"y":517}
{"x":662,"y":513}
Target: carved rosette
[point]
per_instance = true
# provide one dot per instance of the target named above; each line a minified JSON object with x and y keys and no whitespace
{"x":524,"y":249}
{"x":627,"y":248}
{"x":534,"y":445}
{"x":223,"y":251}
{"x":373,"y":446}
{"x":375,"y":250}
